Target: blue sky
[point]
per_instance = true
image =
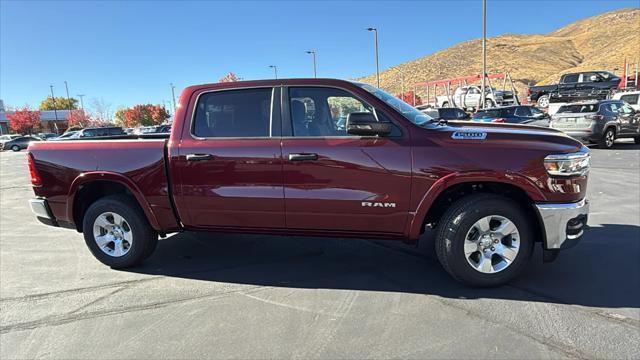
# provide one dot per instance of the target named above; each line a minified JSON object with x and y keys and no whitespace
{"x":128,"y":52}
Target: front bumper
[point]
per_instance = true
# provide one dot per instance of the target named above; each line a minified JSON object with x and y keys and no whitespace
{"x":564,"y":224}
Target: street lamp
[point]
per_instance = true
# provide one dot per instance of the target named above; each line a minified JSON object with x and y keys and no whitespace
{"x":68,"y":98}
{"x":55,"y":111}
{"x":375,"y":31}
{"x":313,"y":52}
{"x":81,"y":103}
{"x":173,"y":96}
{"x":275,"y":70}
{"x":401,"y":81}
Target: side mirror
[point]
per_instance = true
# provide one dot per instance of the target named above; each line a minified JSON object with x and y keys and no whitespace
{"x":366,"y":124}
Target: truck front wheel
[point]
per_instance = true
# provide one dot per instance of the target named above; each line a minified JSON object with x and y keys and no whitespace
{"x":117,"y":232}
{"x":484,"y":240}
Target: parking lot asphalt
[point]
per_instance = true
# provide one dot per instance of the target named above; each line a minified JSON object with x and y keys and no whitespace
{"x":236,"y":296}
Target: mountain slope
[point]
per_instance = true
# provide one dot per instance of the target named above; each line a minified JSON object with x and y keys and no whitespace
{"x":601,"y":42}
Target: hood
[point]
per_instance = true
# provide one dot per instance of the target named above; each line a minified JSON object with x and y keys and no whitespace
{"x":509,"y":135}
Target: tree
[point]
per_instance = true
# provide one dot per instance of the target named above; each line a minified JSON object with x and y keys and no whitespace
{"x":79,"y":118}
{"x":230,"y":77}
{"x":408,"y":98}
{"x":119,"y":116}
{"x":144,"y":115}
{"x":60,"y":103}
{"x":101,"y":109}
{"x":24,"y":121}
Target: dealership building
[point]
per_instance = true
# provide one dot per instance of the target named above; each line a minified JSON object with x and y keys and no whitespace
{"x":54,"y":121}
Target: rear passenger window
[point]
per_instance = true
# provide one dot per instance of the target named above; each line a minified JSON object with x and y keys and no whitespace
{"x":571,"y":78}
{"x":234,"y":113}
{"x":631,"y":99}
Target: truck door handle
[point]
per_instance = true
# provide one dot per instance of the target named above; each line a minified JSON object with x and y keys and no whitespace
{"x":199,"y":157}
{"x":303,"y":157}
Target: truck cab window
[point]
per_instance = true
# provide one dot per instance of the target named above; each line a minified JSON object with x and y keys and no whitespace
{"x":322,"y":111}
{"x":233,"y":113}
{"x":570,"y":78}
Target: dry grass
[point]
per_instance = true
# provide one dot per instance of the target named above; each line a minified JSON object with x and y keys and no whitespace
{"x":601,"y":42}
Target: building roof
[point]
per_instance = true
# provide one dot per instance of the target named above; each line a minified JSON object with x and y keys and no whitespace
{"x":45,"y":115}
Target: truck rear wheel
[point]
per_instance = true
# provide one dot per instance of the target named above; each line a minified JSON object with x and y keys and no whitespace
{"x":117,"y":232}
{"x":484,"y":240}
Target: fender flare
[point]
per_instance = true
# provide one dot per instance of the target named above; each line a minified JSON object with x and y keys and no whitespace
{"x":92,"y":176}
{"x":416,"y":219}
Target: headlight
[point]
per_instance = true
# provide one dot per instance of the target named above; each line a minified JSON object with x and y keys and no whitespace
{"x":572,"y":164}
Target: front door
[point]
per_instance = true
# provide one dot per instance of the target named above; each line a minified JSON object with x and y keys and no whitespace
{"x":229,"y":166}
{"x":628,"y":119}
{"x":334,"y":181}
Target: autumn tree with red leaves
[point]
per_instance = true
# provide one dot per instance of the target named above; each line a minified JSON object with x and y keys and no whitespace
{"x":79,"y":118}
{"x":408,"y":98}
{"x":142,"y":115}
{"x":230,"y":77}
{"x":24,"y":121}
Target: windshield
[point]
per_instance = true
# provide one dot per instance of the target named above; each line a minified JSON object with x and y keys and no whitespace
{"x":578,"y":108}
{"x":412,"y":114}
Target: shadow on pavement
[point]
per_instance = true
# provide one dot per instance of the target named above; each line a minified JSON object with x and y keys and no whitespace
{"x":601,"y":271}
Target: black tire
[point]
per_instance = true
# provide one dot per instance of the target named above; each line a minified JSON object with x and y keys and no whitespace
{"x":488,"y":104}
{"x":608,"y":138}
{"x":459,"y":219}
{"x":144,"y":237}
{"x":15,"y":148}
{"x":543,"y":102}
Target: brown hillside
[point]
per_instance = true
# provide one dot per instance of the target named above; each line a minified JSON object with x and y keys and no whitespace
{"x":597,"y":43}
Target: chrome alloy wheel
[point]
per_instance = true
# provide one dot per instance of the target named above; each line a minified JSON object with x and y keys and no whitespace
{"x":113,"y":234}
{"x":609,"y":138}
{"x":492,"y":244}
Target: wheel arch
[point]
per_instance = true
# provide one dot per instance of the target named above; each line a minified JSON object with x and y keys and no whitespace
{"x":89,"y":187}
{"x":451,"y":188}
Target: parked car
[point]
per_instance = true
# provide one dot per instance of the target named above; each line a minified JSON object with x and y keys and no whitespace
{"x":599,"y":122}
{"x":98,"y":132}
{"x":5,"y":138}
{"x":630,"y":97}
{"x":446,"y":113}
{"x":469,"y":98}
{"x":19,"y":143}
{"x":575,"y":87}
{"x":268,"y":157}
{"x":64,"y":136}
{"x":519,"y":114}
{"x":47,"y":136}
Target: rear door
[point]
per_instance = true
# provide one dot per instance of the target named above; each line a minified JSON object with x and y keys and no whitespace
{"x":334,"y":181}
{"x":228,"y":169}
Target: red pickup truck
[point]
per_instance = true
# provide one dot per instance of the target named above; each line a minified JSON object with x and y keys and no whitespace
{"x":321,"y":157}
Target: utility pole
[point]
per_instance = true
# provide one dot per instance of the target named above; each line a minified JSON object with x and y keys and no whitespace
{"x":375,"y":31}
{"x":275,"y":70}
{"x":313,"y":52}
{"x":55,"y":111}
{"x":68,"y":98}
{"x":484,"y":51}
{"x":81,"y":103}
{"x":173,"y":96}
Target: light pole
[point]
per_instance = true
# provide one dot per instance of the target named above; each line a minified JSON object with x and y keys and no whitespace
{"x":68,"y":98}
{"x":375,"y":31}
{"x":313,"y":52}
{"x":484,"y":51}
{"x":81,"y":103}
{"x":401,"y":81}
{"x":173,"y":96}
{"x":55,"y":111}
{"x":275,"y":70}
